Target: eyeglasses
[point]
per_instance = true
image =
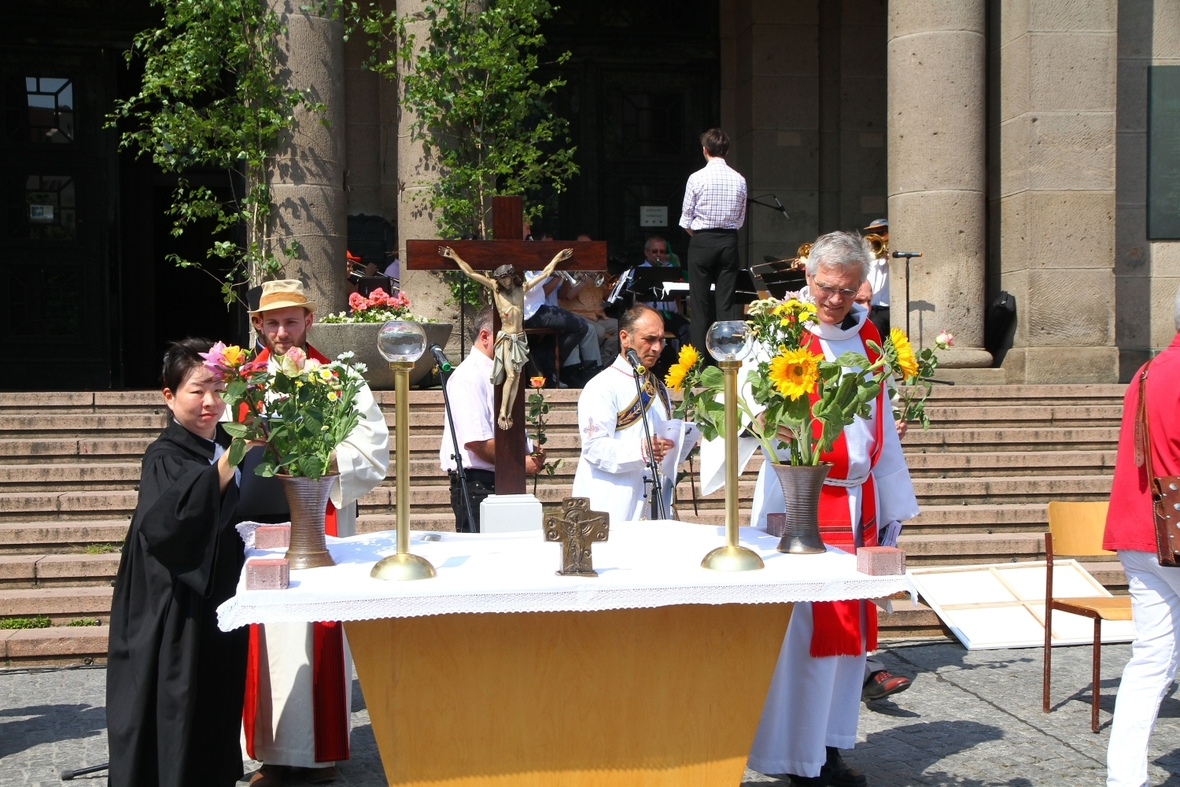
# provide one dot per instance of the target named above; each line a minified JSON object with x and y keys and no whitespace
{"x":658,"y":251}
{"x":829,"y":291}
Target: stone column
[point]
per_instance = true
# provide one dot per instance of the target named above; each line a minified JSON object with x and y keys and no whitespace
{"x":307,"y":176}
{"x":937,"y":171}
{"x":416,"y":175}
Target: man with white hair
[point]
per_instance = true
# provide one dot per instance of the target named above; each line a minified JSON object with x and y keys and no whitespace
{"x":1155,"y":589}
{"x":812,"y":707}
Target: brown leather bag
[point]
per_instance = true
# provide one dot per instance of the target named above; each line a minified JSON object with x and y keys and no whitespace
{"x":1165,"y":490}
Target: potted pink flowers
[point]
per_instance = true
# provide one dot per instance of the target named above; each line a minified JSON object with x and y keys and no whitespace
{"x":356,"y":331}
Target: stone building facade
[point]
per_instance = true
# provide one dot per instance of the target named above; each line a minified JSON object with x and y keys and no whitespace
{"x":1007,"y":140}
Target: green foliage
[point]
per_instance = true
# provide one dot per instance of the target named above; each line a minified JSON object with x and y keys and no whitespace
{"x":211,"y":98}
{"x":39,"y":622}
{"x":85,"y":622}
{"x":101,"y":549}
{"x":479,"y":113}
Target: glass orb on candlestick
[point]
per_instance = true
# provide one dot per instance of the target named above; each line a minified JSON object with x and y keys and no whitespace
{"x":729,"y":340}
{"x":401,"y":342}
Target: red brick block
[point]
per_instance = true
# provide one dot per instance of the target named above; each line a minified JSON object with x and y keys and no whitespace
{"x":272,"y":536}
{"x":880,"y":561}
{"x":267,"y":573}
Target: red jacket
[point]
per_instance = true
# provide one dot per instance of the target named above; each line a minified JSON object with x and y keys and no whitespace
{"x":1129,"y":521}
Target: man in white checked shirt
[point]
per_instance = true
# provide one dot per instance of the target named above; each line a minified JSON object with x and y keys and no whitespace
{"x":714,"y":209}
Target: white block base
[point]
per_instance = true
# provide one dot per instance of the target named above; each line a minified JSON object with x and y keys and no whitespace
{"x":509,"y":513}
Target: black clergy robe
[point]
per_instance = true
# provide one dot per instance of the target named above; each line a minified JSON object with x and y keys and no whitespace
{"x":174,"y":681}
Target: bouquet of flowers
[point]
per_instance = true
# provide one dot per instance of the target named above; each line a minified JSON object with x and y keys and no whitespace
{"x":698,"y":385}
{"x":302,"y":410}
{"x":805,"y":400}
{"x":915,"y":370}
{"x":378,"y":307}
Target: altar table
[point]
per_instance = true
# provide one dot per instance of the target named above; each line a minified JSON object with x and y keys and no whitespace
{"x":498,"y":672}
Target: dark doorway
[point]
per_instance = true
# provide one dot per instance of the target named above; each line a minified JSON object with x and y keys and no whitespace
{"x":56,"y":216}
{"x":642,"y":84}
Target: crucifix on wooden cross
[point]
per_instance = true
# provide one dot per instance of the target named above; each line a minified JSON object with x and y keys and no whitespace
{"x":577,"y":527}
{"x":507,"y":249}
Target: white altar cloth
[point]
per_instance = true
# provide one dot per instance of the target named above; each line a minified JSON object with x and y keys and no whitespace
{"x":642,"y":565}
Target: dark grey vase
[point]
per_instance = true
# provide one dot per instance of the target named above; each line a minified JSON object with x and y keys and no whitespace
{"x":308,"y":501}
{"x":801,"y":485}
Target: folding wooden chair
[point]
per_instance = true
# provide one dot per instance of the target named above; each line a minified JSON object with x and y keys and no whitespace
{"x":1075,"y":529}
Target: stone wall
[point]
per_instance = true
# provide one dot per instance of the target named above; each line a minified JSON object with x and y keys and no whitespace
{"x":802,"y":97}
{"x":1147,"y":273}
{"x":1052,"y":185}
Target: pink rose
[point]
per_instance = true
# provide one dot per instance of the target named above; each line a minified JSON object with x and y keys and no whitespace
{"x":215,"y":359}
{"x":944,"y":340}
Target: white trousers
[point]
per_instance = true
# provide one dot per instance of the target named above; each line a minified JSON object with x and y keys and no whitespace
{"x":1155,"y":608}
{"x":812,"y":703}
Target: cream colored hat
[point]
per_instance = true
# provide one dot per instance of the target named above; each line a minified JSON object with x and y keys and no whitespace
{"x":282,"y":294}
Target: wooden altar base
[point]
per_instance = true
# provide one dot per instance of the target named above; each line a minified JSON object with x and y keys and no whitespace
{"x":669,"y":696}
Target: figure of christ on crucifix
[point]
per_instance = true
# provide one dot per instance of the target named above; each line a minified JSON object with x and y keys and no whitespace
{"x":577,"y":527}
{"x":512,"y":347}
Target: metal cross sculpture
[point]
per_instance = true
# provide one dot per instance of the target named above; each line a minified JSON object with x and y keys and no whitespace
{"x":577,"y":527}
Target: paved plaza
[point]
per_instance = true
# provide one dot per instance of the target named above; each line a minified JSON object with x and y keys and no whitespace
{"x":971,"y":718}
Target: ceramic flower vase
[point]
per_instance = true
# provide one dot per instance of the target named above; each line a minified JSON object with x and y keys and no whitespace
{"x":801,"y":485}
{"x":308,"y":502}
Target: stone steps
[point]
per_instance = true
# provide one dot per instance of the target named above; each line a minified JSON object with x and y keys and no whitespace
{"x":69,"y":466}
{"x":71,"y":570}
{"x":21,"y":538}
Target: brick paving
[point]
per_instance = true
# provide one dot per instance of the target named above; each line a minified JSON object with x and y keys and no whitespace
{"x":971,"y":719}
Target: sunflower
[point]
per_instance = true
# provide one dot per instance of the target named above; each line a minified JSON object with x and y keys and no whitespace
{"x":794,"y":373}
{"x":688,"y":357}
{"x":907,"y":364}
{"x":675,"y":377}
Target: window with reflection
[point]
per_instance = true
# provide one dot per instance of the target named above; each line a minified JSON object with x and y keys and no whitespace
{"x":39,"y":110}
{"x":43,"y":207}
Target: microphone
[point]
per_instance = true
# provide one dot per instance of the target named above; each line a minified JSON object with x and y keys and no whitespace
{"x":898,"y":255}
{"x":633,"y":359}
{"x":440,"y":358}
{"x":780,"y":206}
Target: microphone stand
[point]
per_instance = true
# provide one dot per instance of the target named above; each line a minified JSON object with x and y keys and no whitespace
{"x":457,"y":455}
{"x":657,"y":493}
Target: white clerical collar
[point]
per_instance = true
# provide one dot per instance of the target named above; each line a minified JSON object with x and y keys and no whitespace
{"x":835,"y":333}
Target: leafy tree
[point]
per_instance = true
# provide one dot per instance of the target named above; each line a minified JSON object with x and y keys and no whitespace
{"x":481,"y":116}
{"x":211,"y":98}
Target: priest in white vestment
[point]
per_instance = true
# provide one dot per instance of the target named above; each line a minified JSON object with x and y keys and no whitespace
{"x":614,"y":470}
{"x":813,"y":704}
{"x":299,"y":678}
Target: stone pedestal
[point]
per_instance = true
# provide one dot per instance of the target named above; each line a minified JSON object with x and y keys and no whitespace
{"x":937,"y":172}
{"x":307,"y":174}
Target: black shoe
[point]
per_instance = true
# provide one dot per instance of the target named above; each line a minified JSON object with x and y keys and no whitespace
{"x":840,"y":774}
{"x":809,"y":781}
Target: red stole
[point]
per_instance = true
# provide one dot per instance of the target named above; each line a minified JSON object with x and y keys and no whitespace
{"x":837,"y":629}
{"x":329,"y":682}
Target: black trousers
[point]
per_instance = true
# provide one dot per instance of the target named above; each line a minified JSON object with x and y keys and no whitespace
{"x":480,"y":484}
{"x":713,"y":261}
{"x":541,"y":349}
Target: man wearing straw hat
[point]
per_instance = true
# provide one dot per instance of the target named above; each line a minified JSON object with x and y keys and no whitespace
{"x":299,"y":675}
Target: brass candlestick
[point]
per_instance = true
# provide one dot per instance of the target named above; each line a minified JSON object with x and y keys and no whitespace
{"x":728,"y":342}
{"x":399,"y":343}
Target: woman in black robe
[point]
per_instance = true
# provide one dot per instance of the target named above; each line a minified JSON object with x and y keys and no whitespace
{"x":174,"y":681}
